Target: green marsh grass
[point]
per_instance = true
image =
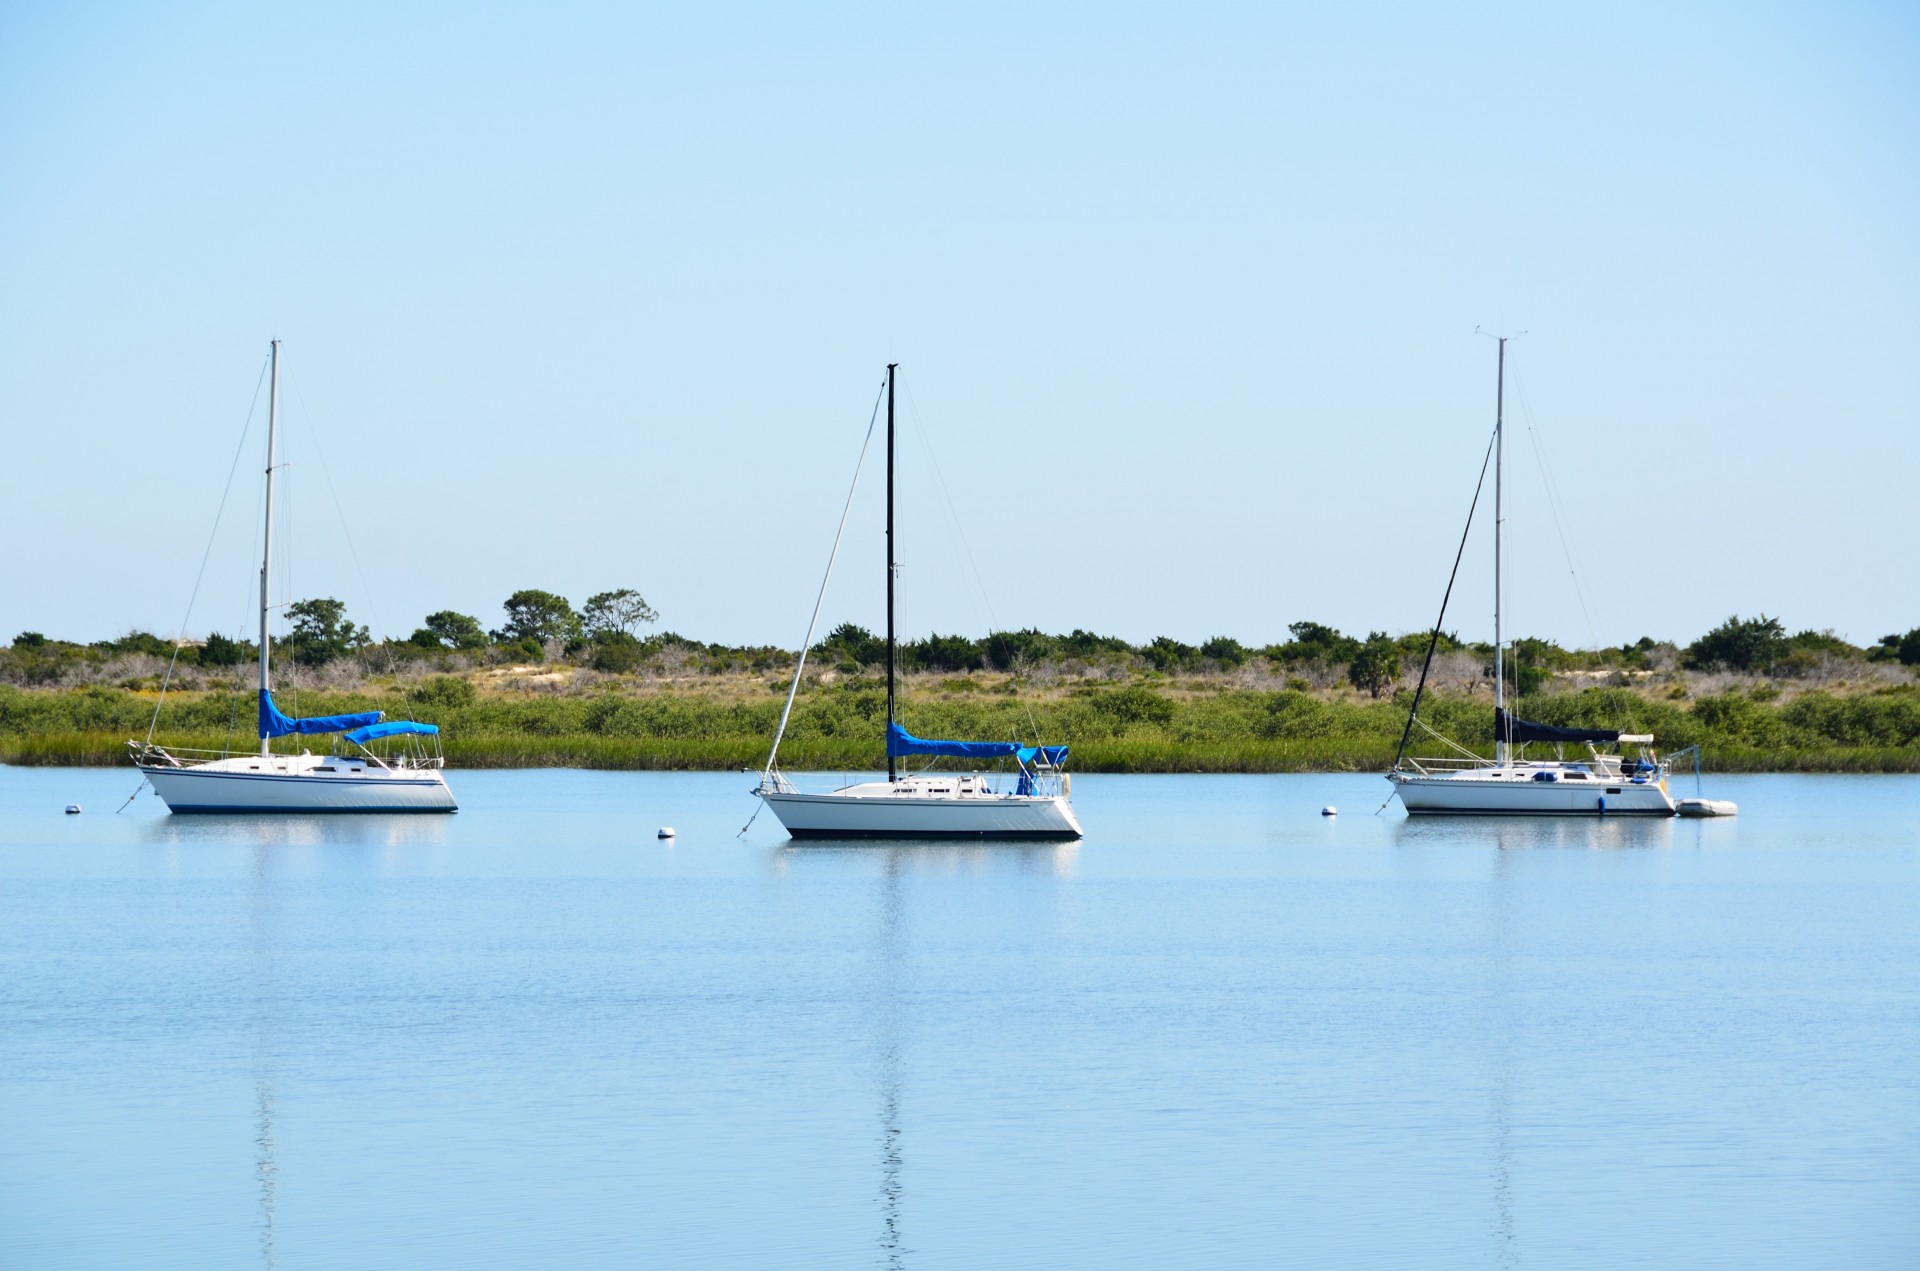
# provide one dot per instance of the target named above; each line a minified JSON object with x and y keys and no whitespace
{"x":1137,"y":727}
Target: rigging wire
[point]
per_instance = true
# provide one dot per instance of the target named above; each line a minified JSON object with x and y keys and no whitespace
{"x":959,"y":527}
{"x":249,"y":601}
{"x":1434,"y":640}
{"x":208,"y":553}
{"x":953,"y":515}
{"x":800,"y":662}
{"x":285,"y":539}
{"x":1569,"y":546}
{"x":346,"y":530}
{"x":212,"y":535}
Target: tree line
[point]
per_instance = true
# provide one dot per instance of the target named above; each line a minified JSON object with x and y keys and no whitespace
{"x":604,"y":633}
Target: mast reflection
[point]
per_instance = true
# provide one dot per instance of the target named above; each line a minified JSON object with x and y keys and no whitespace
{"x":889,"y":1011}
{"x":266,"y":1168}
{"x":1500,"y":1029}
{"x":890,"y":985}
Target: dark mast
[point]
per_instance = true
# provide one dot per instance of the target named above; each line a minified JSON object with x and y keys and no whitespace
{"x":892,"y":770}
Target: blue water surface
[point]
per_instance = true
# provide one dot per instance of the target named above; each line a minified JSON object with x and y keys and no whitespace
{"x":1221,"y":1031}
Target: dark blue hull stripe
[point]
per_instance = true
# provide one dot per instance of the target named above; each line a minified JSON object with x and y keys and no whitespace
{"x":1056,"y":836}
{"x":1592,"y":812}
{"x":251,"y":811}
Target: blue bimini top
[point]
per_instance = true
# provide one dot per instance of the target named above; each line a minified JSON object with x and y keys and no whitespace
{"x":393,"y":728}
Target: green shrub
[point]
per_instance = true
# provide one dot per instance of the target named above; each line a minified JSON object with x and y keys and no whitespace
{"x":1004,"y":648}
{"x":1738,"y":644}
{"x":1314,"y":641}
{"x":1130,"y":705}
{"x":1167,"y":654}
{"x":1737,"y":717}
{"x":617,"y":653}
{"x":1225,"y":650}
{"x":442,"y":692}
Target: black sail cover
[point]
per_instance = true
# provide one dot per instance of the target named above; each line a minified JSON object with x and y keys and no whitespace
{"x":1511,"y":728}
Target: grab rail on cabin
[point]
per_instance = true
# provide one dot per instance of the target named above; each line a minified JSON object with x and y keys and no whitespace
{"x":1449,"y":763}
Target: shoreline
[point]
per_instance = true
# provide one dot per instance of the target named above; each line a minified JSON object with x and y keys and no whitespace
{"x":91,"y":749}
{"x":1139,"y":724}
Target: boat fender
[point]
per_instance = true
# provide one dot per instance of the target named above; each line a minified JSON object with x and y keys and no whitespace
{"x":1603,"y":805}
{"x":1066,"y":784}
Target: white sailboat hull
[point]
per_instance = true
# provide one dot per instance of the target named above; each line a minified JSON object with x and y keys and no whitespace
{"x":882,"y":811}
{"x":1478,"y":792}
{"x":299,"y":783}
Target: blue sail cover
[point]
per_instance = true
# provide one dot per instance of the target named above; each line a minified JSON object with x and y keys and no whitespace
{"x":901,"y":742}
{"x":392,"y":728}
{"x":274,"y":724}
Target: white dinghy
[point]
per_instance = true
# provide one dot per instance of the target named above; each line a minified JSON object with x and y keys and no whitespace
{"x":1603,"y":783}
{"x":929,"y":805}
{"x":406,"y":779}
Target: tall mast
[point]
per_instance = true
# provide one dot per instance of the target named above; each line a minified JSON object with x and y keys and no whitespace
{"x":266,"y":553}
{"x":1499,"y":456}
{"x":893,"y":771}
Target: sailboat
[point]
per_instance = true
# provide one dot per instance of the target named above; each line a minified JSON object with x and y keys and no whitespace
{"x":1603,"y":783}
{"x":360,"y":780}
{"x":928,"y":805}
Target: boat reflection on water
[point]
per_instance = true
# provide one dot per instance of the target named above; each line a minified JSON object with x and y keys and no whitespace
{"x":1520,"y":833}
{"x":1509,"y":1006}
{"x":952,"y":857}
{"x":283,"y":830}
{"x":293,"y":846}
{"x":891,"y":984}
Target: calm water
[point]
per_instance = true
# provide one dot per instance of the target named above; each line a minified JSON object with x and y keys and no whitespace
{"x":1220,"y":1032}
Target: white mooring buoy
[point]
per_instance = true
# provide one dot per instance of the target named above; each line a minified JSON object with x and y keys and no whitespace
{"x":1329,"y":810}
{"x":666,"y":832}
{"x":73,"y":809}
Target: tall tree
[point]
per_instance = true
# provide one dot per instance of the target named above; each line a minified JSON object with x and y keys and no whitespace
{"x":449,"y":630}
{"x":616,"y":613}
{"x":321,"y":631}
{"x":1375,"y":665}
{"x":538,"y":615}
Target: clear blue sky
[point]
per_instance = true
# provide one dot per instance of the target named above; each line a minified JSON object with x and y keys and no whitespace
{"x":581,"y":296}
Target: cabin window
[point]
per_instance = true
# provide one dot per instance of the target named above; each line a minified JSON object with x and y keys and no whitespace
{"x":1613,"y":789}
{"x":1576,"y":776}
